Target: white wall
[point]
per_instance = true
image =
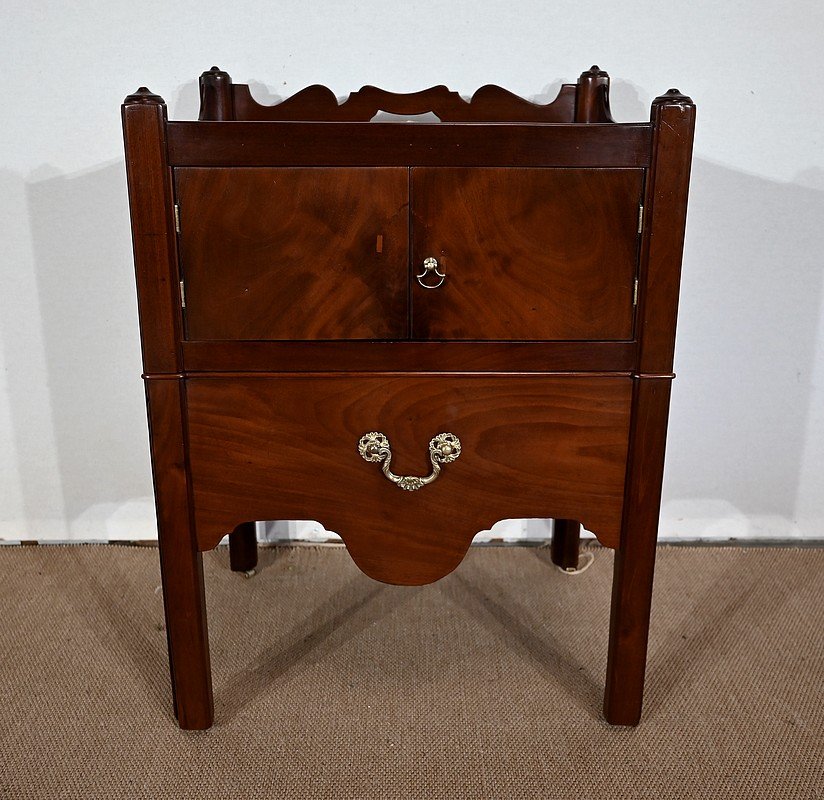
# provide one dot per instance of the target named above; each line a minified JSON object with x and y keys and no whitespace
{"x":746,"y":453}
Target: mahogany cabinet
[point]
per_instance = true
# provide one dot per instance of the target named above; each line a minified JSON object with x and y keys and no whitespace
{"x":407,"y":332}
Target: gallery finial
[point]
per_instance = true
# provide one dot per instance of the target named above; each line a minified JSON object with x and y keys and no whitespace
{"x":144,"y":96}
{"x":673,"y":96}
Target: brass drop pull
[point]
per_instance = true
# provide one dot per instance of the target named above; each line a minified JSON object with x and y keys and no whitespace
{"x":431,"y":272}
{"x":443,"y":449}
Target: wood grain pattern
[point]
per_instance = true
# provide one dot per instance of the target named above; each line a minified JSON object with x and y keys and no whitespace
{"x":181,"y":565}
{"x":269,"y":429}
{"x":488,"y":104}
{"x":293,"y":253}
{"x":587,"y":101}
{"x":528,"y":253}
{"x":153,"y":236}
{"x":378,"y":356}
{"x":635,"y":559}
{"x":673,"y":115}
{"x":388,"y":144}
{"x":540,"y":446}
{"x":217,"y":103}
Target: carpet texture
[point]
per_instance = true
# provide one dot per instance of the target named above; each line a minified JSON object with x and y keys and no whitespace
{"x":487,"y":684}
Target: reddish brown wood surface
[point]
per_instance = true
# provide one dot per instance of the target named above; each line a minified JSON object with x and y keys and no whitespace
{"x":528,"y":253}
{"x":488,"y":104}
{"x":243,"y":553}
{"x":566,"y":535}
{"x":180,"y":561}
{"x":673,"y":115}
{"x":153,"y":236}
{"x":217,"y":103}
{"x":588,"y":101}
{"x":294,"y":253}
{"x":381,"y":144}
{"x":264,"y":448}
{"x":635,"y":559}
{"x":216,"y":95}
{"x":578,"y":446}
{"x":592,"y":97}
{"x":409,"y":356}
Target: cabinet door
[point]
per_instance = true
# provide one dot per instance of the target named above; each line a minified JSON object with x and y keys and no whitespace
{"x":294,"y":253}
{"x":527,"y":253}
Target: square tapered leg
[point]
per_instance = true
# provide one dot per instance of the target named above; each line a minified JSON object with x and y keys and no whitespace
{"x":181,"y":564}
{"x":635,"y":558}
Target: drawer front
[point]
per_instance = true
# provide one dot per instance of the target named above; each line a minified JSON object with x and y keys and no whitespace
{"x":547,"y":254}
{"x":294,"y":253}
{"x":287,"y":448}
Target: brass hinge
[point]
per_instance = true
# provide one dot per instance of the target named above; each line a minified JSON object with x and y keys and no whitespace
{"x":640,"y":219}
{"x":177,"y":217}
{"x":634,"y":293}
{"x":183,"y":295}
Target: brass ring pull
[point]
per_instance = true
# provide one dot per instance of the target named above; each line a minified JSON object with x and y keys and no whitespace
{"x":430,"y":270}
{"x":443,"y":449}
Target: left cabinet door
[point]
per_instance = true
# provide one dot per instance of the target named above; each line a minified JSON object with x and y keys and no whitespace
{"x":294,"y":253}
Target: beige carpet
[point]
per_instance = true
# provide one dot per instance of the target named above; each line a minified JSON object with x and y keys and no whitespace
{"x":485,"y":685}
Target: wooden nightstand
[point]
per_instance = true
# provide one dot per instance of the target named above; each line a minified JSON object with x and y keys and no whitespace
{"x":407,"y":332}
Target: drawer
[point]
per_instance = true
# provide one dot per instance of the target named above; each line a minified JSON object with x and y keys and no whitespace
{"x":286,"y":447}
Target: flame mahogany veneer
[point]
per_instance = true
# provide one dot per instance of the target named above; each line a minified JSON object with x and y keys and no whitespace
{"x":277,"y":252}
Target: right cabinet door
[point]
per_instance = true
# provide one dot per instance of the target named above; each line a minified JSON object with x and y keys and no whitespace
{"x":528,"y":254}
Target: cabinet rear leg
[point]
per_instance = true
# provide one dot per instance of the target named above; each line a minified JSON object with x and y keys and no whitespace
{"x":566,"y":534}
{"x":243,"y":554}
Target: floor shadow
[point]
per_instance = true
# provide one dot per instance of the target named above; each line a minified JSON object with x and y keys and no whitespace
{"x":136,"y":628}
{"x":683,"y":656}
{"x":506,"y":622}
{"x":341,"y":616}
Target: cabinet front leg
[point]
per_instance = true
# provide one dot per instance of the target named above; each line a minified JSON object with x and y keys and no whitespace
{"x":635,"y":558}
{"x":184,"y":602}
{"x":243,"y":554}
{"x":181,"y":564}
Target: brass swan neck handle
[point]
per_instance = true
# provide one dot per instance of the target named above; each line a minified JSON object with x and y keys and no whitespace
{"x":443,"y":449}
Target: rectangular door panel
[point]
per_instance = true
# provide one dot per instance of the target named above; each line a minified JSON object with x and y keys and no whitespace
{"x":294,"y":253}
{"x":528,"y":254}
